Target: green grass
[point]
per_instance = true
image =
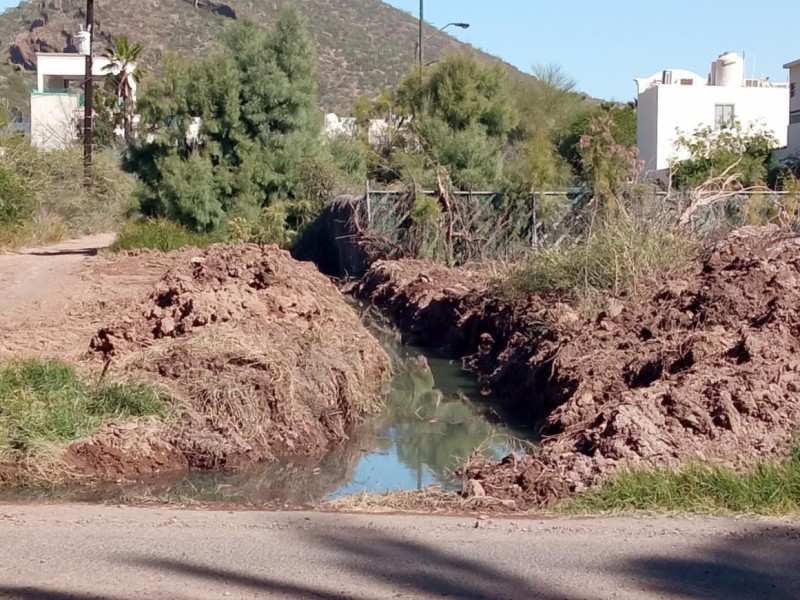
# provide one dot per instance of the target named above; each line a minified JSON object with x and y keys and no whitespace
{"x":158,"y":235}
{"x":771,"y":488}
{"x":613,"y":258}
{"x":46,"y":403}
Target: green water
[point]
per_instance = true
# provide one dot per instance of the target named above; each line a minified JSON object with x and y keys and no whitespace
{"x":435,"y":418}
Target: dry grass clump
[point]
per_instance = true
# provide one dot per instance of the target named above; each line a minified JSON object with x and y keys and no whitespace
{"x":249,"y":396}
{"x":612,"y":258}
{"x":62,"y":207}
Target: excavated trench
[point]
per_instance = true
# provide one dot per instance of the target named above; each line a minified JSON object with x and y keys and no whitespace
{"x":436,"y":417}
{"x":702,"y":366}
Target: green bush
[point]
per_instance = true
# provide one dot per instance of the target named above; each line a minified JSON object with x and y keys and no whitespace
{"x":611,"y":259}
{"x":771,"y":488}
{"x":17,"y":202}
{"x":45,"y":402}
{"x":162,"y":235}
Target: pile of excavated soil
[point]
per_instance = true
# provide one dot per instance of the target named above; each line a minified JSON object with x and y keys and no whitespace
{"x":705,"y":367}
{"x":262,"y":354}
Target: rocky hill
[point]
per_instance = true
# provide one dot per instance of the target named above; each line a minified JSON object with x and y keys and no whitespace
{"x":362,"y":45}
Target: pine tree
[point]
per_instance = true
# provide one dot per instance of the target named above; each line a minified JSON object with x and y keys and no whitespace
{"x":255,"y":101}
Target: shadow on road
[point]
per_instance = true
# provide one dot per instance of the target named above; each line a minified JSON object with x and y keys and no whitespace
{"x":32,"y":593}
{"x":73,"y":251}
{"x":412,"y":569}
{"x":742,"y":567}
{"x":353,"y":562}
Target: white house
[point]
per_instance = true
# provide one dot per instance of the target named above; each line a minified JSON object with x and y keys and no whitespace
{"x":673,"y":101}
{"x":793,"y":143}
{"x":57,"y":103}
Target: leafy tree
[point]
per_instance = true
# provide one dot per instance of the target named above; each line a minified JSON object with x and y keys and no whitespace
{"x":241,"y":125}
{"x":623,"y":132}
{"x":548,"y":102}
{"x":608,"y":165}
{"x":744,"y":154}
{"x":462,"y":92}
{"x":461,"y":115}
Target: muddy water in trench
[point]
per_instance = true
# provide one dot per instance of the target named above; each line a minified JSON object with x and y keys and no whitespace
{"x":435,"y":418}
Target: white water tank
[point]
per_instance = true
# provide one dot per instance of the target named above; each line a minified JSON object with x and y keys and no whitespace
{"x":84,"y":42}
{"x":730,"y":70}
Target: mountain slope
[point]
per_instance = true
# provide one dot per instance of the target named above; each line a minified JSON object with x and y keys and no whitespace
{"x":362,"y":46}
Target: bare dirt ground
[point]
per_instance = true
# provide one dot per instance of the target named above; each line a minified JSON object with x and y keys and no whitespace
{"x":92,"y":552}
{"x":54,"y":298}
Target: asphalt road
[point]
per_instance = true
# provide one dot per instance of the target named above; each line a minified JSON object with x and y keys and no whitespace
{"x":81,"y":552}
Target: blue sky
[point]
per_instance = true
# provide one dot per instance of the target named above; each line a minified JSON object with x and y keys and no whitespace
{"x":604,"y":44}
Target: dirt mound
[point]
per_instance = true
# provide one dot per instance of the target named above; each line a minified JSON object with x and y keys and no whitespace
{"x":261,"y":352}
{"x":704,"y":367}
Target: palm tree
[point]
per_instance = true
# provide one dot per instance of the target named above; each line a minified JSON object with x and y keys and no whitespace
{"x":125,"y":75}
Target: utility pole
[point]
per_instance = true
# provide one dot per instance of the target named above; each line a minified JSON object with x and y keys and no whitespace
{"x":421,"y":21}
{"x":88,"y":94}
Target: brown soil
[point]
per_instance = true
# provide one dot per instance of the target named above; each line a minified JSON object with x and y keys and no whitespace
{"x":705,"y":367}
{"x":261,"y":354}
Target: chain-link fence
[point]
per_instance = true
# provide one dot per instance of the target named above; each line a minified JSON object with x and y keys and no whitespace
{"x":479,"y":226}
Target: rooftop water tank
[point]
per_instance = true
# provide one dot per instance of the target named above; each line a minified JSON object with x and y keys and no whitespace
{"x":730,"y":70}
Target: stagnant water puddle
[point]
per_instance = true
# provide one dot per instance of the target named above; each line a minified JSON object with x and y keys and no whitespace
{"x":435,"y":418}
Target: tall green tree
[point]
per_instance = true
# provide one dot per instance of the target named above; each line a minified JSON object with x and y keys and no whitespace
{"x":240,"y":123}
{"x":461,"y":114}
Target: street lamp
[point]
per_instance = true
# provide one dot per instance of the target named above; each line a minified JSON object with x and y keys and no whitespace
{"x":422,"y":39}
{"x":459,"y":25}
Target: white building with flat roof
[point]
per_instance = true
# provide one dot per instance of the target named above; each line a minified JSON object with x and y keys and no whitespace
{"x":672,"y":102}
{"x":793,"y":143}
{"x":57,"y":103}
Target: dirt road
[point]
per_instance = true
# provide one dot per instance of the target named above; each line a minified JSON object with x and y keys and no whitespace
{"x":42,"y":273}
{"x":54,"y":298}
{"x":81,"y":552}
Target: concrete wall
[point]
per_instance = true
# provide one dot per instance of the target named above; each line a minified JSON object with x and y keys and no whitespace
{"x":647,"y":129}
{"x":54,"y":120}
{"x":685,"y":108}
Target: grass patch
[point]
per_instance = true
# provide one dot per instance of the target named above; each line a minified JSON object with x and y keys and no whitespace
{"x":46,"y":403}
{"x":611,"y":259}
{"x":771,"y":488}
{"x":161,"y":234}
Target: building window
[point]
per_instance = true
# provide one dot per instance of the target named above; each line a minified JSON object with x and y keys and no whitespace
{"x":794,"y":118}
{"x":724,"y":115}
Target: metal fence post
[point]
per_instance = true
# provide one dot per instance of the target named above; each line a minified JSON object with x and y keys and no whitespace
{"x":534,"y":223}
{"x":369,"y":206}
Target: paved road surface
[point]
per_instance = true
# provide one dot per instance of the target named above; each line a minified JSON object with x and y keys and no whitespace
{"x":82,"y":552}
